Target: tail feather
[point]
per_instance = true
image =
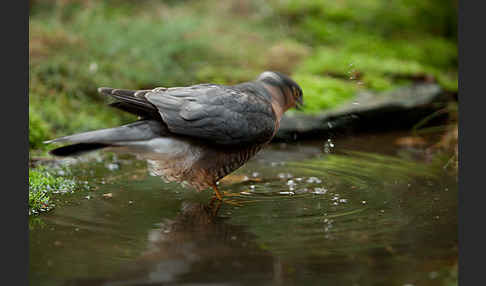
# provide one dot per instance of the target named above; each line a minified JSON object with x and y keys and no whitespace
{"x":77,"y":149}
{"x":132,"y":101}
{"x":117,"y":136}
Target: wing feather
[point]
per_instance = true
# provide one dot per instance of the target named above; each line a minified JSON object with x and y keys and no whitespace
{"x":215,"y":113}
{"x":132,"y":101}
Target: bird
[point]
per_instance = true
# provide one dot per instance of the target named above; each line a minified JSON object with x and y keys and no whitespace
{"x":196,"y":134}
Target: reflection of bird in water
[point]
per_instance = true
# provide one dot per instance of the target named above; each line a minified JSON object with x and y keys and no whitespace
{"x":200,"y":133}
{"x":182,"y":251}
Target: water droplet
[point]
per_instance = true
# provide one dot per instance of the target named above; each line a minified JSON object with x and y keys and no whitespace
{"x":328,"y":146}
{"x":93,"y":67}
{"x":287,"y":193}
{"x":363,"y":202}
{"x":112,"y":167}
{"x":433,"y":275}
{"x":284,"y":176}
{"x":302,"y":191}
{"x":319,"y":191}
{"x":311,"y":180}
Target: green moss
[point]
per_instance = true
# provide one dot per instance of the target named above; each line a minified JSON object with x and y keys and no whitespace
{"x":382,"y":41}
{"x":324,"y":92}
{"x":43,"y":182}
{"x":377,"y":71}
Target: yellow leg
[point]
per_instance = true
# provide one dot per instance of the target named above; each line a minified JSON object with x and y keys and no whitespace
{"x":220,"y":198}
{"x":216,"y":192}
{"x":214,"y":206}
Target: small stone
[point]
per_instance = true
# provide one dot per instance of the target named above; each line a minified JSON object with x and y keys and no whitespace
{"x":108,"y":195}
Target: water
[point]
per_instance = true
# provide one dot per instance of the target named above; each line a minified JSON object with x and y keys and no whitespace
{"x":365,"y":212}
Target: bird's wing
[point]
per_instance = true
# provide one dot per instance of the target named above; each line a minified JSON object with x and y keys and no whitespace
{"x":216,"y":113}
{"x":132,"y":101}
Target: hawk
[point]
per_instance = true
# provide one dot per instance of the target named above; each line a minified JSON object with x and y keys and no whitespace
{"x":199,"y":133}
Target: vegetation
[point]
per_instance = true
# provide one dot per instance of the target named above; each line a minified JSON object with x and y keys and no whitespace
{"x":332,"y":48}
{"x":43,"y":182}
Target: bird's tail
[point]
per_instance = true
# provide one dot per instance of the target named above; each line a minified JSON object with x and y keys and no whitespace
{"x":117,"y":136}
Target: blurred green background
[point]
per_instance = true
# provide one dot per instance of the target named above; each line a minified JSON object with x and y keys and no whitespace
{"x":331,"y":48}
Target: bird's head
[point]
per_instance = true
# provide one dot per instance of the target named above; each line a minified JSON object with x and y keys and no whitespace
{"x":289,"y":89}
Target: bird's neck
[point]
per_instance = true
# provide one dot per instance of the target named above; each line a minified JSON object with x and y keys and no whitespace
{"x":279,"y":103}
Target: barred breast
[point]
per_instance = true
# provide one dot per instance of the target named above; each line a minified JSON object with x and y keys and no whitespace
{"x":215,"y":164}
{"x":235,"y":160}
